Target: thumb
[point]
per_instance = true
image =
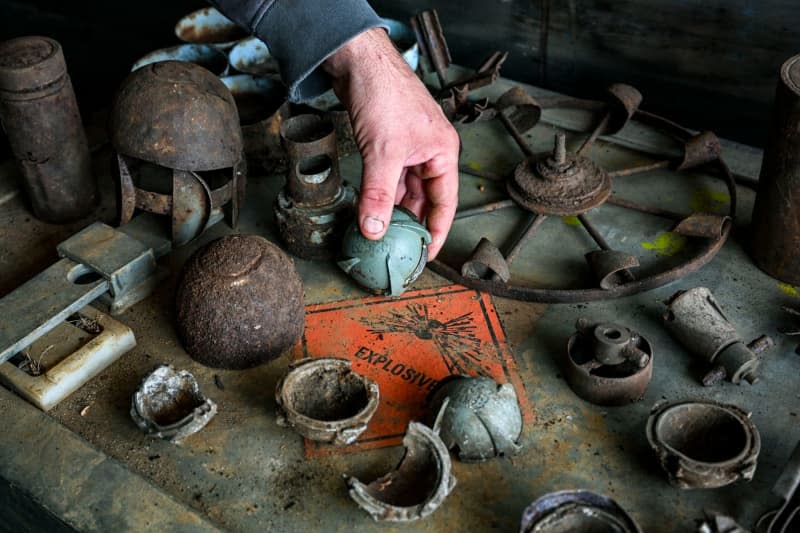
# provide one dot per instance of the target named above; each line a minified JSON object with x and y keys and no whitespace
{"x":378,"y":190}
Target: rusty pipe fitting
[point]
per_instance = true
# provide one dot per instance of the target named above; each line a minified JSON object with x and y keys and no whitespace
{"x":315,"y":206}
{"x":695,"y":319}
{"x":703,"y":444}
{"x":607,"y":363}
{"x":40,"y":116}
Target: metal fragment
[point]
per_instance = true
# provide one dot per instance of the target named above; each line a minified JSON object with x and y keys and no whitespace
{"x":209,"y":26}
{"x":262,"y":107}
{"x":486,"y":260}
{"x":431,"y":42}
{"x":696,"y":320}
{"x":718,"y":523}
{"x":416,"y":488}
{"x":611,"y":268}
{"x":203,"y":55}
{"x":40,"y":117}
{"x":169,"y":405}
{"x":325,"y":400}
{"x":521,"y":108}
{"x":785,"y":518}
{"x":703,"y":443}
{"x":700,"y":149}
{"x":481,"y":419}
{"x":569,"y":511}
{"x":608,"y":363}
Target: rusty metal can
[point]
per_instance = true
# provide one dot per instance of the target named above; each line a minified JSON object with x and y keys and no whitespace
{"x":775,"y":225}
{"x":40,"y":116}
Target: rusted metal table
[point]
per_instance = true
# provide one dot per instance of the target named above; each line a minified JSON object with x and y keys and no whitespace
{"x":89,"y":467}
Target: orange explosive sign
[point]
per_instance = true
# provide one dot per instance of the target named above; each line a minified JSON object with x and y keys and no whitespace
{"x":407,"y":345}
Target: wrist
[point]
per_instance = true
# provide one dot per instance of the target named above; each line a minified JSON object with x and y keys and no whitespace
{"x":361,"y":51}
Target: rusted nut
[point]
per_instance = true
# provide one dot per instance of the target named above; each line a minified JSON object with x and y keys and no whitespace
{"x":416,"y":488}
{"x":325,"y":400}
{"x":624,"y":100}
{"x":169,"y":405}
{"x":568,"y":511}
{"x":703,"y":444}
{"x":481,"y":420}
{"x":239,"y":303}
{"x":695,"y":319}
{"x":607,"y":363}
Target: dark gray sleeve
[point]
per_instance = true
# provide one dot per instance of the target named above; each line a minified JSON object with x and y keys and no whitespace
{"x":301,"y":34}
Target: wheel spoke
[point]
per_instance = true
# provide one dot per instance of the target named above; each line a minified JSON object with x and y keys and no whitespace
{"x":656,"y":211}
{"x":601,"y":242}
{"x":481,"y":209}
{"x":638,"y":170}
{"x":518,"y":138}
{"x":594,"y":135}
{"x":532,"y":225}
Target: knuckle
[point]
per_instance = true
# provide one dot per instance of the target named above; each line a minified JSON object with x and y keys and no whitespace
{"x":377,"y":195}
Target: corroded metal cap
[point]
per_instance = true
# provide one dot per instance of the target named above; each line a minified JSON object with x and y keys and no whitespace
{"x":30,"y":63}
{"x":177,"y":115}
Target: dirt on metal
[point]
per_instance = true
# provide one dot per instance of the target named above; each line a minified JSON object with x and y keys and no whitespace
{"x":239,"y":303}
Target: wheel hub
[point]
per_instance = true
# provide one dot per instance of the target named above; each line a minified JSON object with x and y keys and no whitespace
{"x":559,"y":183}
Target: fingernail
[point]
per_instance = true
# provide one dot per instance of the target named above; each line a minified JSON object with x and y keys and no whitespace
{"x":372,"y":225}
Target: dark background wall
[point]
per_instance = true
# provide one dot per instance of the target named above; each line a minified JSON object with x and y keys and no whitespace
{"x":709,"y":64}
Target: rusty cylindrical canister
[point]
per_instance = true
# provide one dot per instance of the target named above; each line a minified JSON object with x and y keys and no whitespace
{"x":39,"y":114}
{"x":775,"y":225}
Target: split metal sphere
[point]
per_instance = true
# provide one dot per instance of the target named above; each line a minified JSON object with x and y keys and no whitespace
{"x":391,"y":264}
{"x":239,"y":303}
{"x":481,"y":419}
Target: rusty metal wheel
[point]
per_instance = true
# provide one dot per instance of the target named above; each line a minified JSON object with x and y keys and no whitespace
{"x":561,"y":183}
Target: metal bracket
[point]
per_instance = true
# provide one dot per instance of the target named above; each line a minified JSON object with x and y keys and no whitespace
{"x":96,"y":261}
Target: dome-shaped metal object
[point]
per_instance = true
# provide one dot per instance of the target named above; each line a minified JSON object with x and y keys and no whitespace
{"x":481,"y":420}
{"x":239,"y":303}
{"x":177,"y":115}
{"x":391,"y":264}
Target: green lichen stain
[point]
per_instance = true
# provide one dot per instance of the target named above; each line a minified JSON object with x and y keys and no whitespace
{"x":708,"y":201}
{"x":571,"y":221}
{"x":791,"y":290}
{"x":666,"y":244}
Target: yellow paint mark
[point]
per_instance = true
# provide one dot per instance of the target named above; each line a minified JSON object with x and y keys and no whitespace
{"x":791,"y":290}
{"x":709,"y":201}
{"x":571,"y":221}
{"x":666,"y":244}
{"x":474,"y":165}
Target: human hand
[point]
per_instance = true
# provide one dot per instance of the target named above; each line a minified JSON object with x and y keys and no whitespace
{"x":409,"y":148}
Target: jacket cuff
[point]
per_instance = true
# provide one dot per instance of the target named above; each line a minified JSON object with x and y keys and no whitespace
{"x":303,"y":34}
